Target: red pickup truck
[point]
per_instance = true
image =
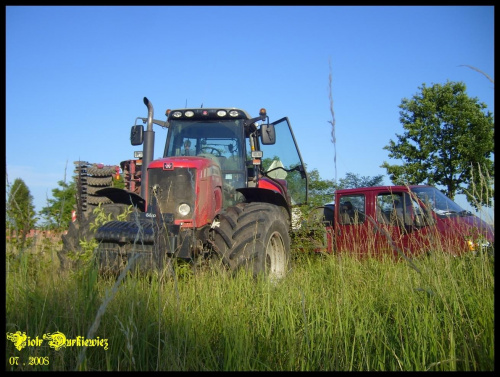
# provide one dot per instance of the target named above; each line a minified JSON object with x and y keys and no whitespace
{"x":399,"y":219}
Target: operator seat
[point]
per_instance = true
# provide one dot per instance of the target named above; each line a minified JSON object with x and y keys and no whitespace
{"x":347,"y":213}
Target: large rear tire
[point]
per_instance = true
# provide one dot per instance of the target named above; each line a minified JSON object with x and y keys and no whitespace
{"x":254,"y":237}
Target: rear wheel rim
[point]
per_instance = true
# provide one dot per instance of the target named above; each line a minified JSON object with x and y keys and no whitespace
{"x":275,"y":256}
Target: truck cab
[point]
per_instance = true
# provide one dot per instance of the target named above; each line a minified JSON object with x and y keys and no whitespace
{"x":400,"y":219}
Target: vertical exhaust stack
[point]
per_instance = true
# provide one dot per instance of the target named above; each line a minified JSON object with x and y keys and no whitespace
{"x":148,"y":149}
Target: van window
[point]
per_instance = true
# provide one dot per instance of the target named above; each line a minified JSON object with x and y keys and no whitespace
{"x":399,"y":209}
{"x":352,"y":209}
{"x":396,"y":209}
{"x":438,"y":202}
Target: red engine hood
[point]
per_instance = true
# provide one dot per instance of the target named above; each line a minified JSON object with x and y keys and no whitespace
{"x":471,"y":224}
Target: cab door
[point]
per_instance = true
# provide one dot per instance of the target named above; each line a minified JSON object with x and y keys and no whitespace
{"x":400,"y":224}
{"x":389,"y":229}
{"x":351,"y":224}
{"x":285,"y":153}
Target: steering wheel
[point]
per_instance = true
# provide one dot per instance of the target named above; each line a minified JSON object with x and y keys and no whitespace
{"x":211,"y":150}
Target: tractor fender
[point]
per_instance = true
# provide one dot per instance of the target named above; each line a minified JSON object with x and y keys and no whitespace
{"x":118,"y":195}
{"x":256,"y":194}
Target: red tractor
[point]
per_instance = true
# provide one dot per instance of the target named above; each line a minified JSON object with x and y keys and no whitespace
{"x":224,"y":188}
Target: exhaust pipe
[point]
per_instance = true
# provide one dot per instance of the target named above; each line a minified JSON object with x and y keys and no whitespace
{"x":148,"y":148}
{"x":149,"y":105}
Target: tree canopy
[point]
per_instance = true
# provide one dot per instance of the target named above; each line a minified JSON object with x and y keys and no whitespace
{"x":322,"y":191}
{"x":352,"y":180}
{"x":20,"y":211}
{"x":448,"y":141}
{"x":57,"y":213}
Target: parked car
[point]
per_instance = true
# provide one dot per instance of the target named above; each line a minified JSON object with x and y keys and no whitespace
{"x":398,"y":219}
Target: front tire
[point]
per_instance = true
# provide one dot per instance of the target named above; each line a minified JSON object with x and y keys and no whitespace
{"x":254,"y":237}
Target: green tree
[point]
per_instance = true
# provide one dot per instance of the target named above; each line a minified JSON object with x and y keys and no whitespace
{"x":352,"y":180}
{"x":321,"y":191}
{"x":448,"y":141}
{"x":20,"y":211}
{"x":57,"y":213}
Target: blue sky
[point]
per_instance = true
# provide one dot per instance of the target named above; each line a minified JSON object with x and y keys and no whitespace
{"x":76,"y":76}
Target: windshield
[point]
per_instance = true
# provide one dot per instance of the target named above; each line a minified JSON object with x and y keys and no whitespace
{"x":438,"y":202}
{"x":222,"y":141}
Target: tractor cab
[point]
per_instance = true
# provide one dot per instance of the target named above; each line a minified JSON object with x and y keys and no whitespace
{"x":248,"y":154}
{"x":220,"y":139}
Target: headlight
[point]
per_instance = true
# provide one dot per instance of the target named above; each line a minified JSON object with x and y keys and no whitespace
{"x":478,"y":244}
{"x":184,"y":209}
{"x":470,"y":244}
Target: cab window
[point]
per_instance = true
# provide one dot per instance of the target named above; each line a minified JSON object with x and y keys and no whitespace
{"x":352,"y":209}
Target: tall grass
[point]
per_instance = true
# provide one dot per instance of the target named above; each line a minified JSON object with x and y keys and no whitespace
{"x":329,"y":313}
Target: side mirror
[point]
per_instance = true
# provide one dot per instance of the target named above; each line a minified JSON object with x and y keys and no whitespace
{"x":267,"y":134}
{"x":137,"y":134}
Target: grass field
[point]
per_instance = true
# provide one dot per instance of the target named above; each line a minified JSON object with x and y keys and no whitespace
{"x":329,"y":314}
